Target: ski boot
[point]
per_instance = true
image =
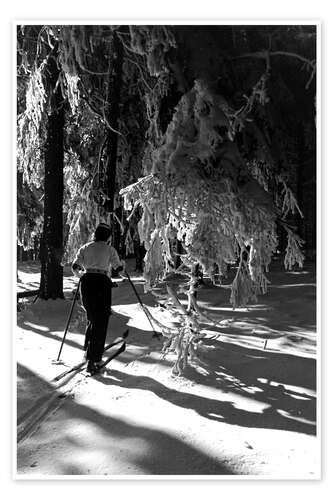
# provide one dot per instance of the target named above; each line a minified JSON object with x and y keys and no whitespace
{"x":93,"y":367}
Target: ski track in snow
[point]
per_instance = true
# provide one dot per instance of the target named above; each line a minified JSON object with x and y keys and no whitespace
{"x":247,"y":406}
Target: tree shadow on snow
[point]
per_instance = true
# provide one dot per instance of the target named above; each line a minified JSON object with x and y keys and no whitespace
{"x":249,"y":364}
{"x":135,"y":448}
{"x":276,"y":408}
{"x":289,"y":304}
{"x":52,"y":336}
{"x":158,"y":453}
{"x":30,"y":387}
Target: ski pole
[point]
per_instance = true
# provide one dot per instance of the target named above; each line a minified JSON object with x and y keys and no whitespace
{"x":69,"y":318}
{"x":155,"y":334}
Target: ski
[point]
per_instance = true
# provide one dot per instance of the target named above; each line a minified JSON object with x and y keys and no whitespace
{"x":117,"y":341}
{"x":81,"y":365}
{"x":70,"y":370}
{"x":109,"y":358}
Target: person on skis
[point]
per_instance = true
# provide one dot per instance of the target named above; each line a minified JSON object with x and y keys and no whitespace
{"x":93,"y":263}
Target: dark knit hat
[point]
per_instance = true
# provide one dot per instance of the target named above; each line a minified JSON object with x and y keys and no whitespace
{"x":102,"y":232}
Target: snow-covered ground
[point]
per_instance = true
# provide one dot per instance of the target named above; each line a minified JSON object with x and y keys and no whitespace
{"x":246,"y":407}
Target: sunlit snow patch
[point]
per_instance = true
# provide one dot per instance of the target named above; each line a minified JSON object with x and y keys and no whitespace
{"x":37,"y":327}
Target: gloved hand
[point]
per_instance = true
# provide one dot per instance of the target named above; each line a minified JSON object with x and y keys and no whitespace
{"x":77,"y":270}
{"x":122,"y":272}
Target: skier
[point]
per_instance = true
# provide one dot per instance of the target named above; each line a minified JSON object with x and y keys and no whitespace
{"x":92,"y":264}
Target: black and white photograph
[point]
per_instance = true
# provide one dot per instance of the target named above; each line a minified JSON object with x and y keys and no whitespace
{"x":167,"y":250}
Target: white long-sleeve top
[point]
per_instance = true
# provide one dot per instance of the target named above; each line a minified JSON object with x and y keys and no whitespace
{"x":97,"y":255}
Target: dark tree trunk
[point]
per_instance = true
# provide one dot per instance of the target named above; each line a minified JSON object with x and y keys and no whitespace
{"x":20,"y":253}
{"x":196,"y":280}
{"x":51,"y":247}
{"x":112,"y":115}
{"x":139,"y":253}
{"x":179,"y":251}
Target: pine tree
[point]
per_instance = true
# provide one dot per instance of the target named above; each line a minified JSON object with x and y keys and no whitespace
{"x":41,"y":145}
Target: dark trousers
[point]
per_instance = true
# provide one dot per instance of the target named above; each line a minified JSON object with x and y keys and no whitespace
{"x":96,"y":299}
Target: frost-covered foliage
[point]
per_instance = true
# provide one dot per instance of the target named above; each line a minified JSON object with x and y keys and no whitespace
{"x":31,"y":130}
{"x":201,"y":190}
{"x":78,"y":46}
{"x":29,"y":213}
{"x":84,"y":57}
{"x":153,"y":42}
{"x":83,"y":207}
{"x":194,"y":191}
{"x":31,"y":134}
{"x":293,"y":253}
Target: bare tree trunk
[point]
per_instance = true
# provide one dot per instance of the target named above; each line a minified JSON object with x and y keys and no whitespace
{"x":196,"y":279}
{"x":51,"y":249}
